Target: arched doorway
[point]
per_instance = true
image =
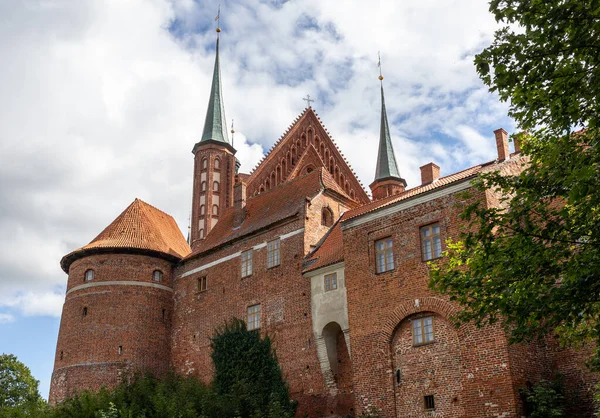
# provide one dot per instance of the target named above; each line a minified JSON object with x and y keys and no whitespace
{"x":340,"y":366}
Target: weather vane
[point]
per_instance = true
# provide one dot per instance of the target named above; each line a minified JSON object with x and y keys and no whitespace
{"x":308,"y":100}
{"x":217,"y":19}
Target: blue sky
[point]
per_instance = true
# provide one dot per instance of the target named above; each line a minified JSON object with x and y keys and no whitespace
{"x":103,"y":100}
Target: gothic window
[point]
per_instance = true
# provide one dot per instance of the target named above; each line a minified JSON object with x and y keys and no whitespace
{"x":89,"y":275}
{"x":202,"y":210}
{"x":261,"y":189}
{"x":431,"y":242}
{"x":342,"y":180}
{"x":326,"y":217}
{"x":203,"y":186}
{"x":304,"y":140}
{"x":384,"y":255}
{"x":253,"y":317}
{"x":201,"y":284}
{"x":331,"y":282}
{"x":352,"y":194}
{"x":215,"y":186}
{"x":322,"y":149}
{"x":201,"y":233}
{"x":215,"y":210}
{"x":267,"y":185}
{"x":246,"y":263}
{"x":273,"y":258}
{"x":204,"y":163}
{"x":157,"y":276}
{"x":331,"y":164}
{"x":422,"y":330}
{"x":279,"y":180}
{"x":217,"y":164}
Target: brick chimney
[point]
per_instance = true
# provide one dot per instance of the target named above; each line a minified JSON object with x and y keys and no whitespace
{"x":502,"y":144}
{"x":239,"y":203}
{"x":429,"y":173}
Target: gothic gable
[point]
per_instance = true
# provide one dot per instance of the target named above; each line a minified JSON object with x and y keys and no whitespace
{"x":306,"y":146}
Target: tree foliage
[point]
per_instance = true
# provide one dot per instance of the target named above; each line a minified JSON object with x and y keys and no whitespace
{"x":247,"y":373}
{"x":19,"y":396}
{"x":534,"y":262}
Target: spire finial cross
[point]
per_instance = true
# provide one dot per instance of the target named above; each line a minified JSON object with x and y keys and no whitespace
{"x":308,"y":100}
{"x":379,"y":65}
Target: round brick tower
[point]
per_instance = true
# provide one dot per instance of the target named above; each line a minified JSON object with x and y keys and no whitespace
{"x":116,"y":317}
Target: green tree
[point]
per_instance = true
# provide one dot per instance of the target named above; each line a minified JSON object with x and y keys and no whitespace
{"x":19,"y":395}
{"x":534,"y":263}
{"x":247,"y":375}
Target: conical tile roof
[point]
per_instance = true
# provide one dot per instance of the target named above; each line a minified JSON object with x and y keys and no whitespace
{"x":139,"y":227}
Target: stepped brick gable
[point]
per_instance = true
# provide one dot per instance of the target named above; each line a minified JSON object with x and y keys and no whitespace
{"x":298,"y":250}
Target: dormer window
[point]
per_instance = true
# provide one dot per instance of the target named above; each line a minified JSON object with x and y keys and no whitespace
{"x":89,"y":275}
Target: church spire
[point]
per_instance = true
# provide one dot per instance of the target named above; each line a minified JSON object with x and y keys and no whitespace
{"x":215,"y":125}
{"x":386,"y":159}
{"x":387,"y":176}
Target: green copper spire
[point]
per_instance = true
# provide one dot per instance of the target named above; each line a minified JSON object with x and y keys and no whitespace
{"x":386,"y":160}
{"x":215,"y":126}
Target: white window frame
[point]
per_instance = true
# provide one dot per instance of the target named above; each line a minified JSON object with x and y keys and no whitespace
{"x":422,"y":330}
{"x":273,"y":253}
{"x":384,"y":255}
{"x":431,"y":241}
{"x":254,"y":313}
{"x":246,"y":263}
{"x":331,"y":282}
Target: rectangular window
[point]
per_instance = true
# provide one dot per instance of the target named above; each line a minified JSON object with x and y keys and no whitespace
{"x":422,"y":330}
{"x":253,"y":317}
{"x":246,"y":263}
{"x":273,"y":258}
{"x":201,"y":284}
{"x":384,"y":255}
{"x":330,"y":282}
{"x":429,"y":402}
{"x":431,"y":242}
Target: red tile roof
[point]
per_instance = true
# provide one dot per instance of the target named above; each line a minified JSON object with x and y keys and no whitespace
{"x":282,"y":202}
{"x":331,"y":248}
{"x":140,"y":227}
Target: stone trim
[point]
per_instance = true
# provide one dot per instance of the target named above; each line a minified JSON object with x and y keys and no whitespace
{"x":234,"y":255}
{"x":120,"y":283}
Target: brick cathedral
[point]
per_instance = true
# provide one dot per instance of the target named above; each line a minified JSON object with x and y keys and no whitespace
{"x":299,"y":250}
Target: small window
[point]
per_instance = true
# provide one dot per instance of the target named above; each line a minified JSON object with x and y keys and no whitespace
{"x":61,"y":355}
{"x":217,"y":164}
{"x":384,"y":255}
{"x":253,"y":317}
{"x":157,"y":276}
{"x":431,"y":243}
{"x":203,"y":186}
{"x":89,"y":275}
{"x":429,"y":402}
{"x":273,"y":258}
{"x":202,"y":210}
{"x":422,"y":330}
{"x":201,"y":233}
{"x":330,"y":282}
{"x":246,"y":263}
{"x":201,"y":284}
{"x":215,"y":210}
{"x":120,"y":350}
{"x":204,"y":164}
{"x":215,"y":186}
{"x":84,"y":313}
{"x":326,"y":217}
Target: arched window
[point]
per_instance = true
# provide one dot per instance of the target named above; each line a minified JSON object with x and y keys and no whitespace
{"x":326,"y":217}
{"x":204,"y":163}
{"x":267,"y":185}
{"x":331,"y":165}
{"x":202,"y":209}
{"x":215,"y":186}
{"x":261,"y":189}
{"x":201,"y":233}
{"x":157,"y":276}
{"x":215,"y":210}
{"x":203,"y":186}
{"x":89,"y":275}
{"x":273,"y":180}
{"x":352,"y":193}
{"x":217,"y":164}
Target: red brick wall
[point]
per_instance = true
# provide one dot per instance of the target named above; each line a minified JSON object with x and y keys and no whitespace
{"x":379,"y":303}
{"x":130,"y":316}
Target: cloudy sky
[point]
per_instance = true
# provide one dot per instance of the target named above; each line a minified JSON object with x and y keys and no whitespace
{"x":101,"y":102}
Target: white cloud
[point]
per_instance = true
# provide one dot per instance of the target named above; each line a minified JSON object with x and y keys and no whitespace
{"x":6,"y":318}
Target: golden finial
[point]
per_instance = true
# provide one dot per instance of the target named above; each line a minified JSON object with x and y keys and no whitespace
{"x":217,"y":19}
{"x":379,"y":65}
